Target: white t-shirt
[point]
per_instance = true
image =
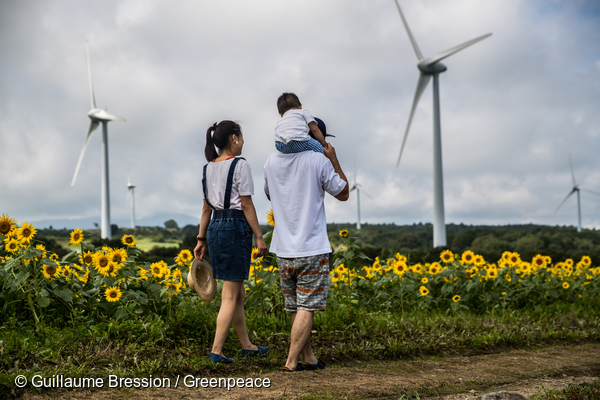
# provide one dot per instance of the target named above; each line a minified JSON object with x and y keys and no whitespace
{"x":297,"y":183}
{"x":216,"y":182}
{"x":293,"y":125}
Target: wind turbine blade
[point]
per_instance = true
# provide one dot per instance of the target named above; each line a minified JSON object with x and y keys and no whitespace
{"x":90,"y":73}
{"x":421,"y":85}
{"x":368,"y":195}
{"x":410,"y":36}
{"x":572,"y":173}
{"x":449,"y":52}
{"x":563,"y":202}
{"x":93,"y":126}
{"x":353,"y":188}
{"x":590,"y":191}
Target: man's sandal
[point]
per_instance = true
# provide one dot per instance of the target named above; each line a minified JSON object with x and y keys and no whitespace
{"x":298,"y":368}
{"x":309,"y":367}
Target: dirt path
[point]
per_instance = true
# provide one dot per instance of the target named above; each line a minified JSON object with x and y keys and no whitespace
{"x":449,"y":378}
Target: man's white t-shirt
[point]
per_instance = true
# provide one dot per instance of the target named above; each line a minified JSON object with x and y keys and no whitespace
{"x":296,"y":184}
{"x":216,"y":183}
{"x":293,"y":125}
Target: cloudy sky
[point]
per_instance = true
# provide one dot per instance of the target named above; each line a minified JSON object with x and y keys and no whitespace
{"x":513,"y":106}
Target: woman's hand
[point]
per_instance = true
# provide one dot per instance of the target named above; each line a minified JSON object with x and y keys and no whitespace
{"x":200,"y":249}
{"x":262,"y":247}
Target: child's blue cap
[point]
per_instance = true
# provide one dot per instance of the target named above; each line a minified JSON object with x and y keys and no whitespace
{"x":322,"y":127}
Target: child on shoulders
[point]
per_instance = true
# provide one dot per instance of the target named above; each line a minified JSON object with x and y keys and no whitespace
{"x":297,"y":130}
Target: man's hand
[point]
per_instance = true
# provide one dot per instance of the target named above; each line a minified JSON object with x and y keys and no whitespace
{"x":329,"y":152}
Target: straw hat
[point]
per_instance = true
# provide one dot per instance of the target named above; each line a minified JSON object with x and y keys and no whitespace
{"x":200,"y":278}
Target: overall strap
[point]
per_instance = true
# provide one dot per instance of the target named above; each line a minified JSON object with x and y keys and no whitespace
{"x":204,"y":187}
{"x":230,"y":182}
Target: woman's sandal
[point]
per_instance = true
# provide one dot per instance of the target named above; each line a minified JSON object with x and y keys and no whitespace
{"x":216,"y":358}
{"x":261,"y":350}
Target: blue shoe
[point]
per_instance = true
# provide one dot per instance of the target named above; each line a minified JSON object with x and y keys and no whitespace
{"x":261,"y":350}
{"x":220,"y":359}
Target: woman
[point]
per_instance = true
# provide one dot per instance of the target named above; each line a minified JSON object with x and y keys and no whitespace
{"x":228,"y":189}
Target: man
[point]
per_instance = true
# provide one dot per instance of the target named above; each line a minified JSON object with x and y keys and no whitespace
{"x":296,"y":184}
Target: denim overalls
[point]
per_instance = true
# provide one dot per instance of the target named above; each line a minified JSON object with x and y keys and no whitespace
{"x":229,"y":236}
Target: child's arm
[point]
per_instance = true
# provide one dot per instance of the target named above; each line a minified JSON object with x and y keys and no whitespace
{"x":314,"y":129}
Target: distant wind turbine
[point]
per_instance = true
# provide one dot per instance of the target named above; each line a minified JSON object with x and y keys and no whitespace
{"x":98,"y":116}
{"x":576,"y":189}
{"x":357,"y":186}
{"x":429,"y":67}
{"x":131,"y":193}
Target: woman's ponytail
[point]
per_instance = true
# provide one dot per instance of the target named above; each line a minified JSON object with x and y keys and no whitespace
{"x":217,"y":137}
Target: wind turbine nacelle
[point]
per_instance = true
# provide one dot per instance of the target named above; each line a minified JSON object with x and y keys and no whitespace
{"x":99,"y":114}
{"x":427,"y":69}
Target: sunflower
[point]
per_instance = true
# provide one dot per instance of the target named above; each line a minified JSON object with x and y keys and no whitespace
{"x":128,"y":240}
{"x":67,"y":272}
{"x":478,"y":260}
{"x":157,"y":269}
{"x":447,"y":256}
{"x":514,"y":258}
{"x":424,"y":280}
{"x":456,"y":299}
{"x":184,"y":257}
{"x":7,"y":224}
{"x":344,"y":233}
{"x":87,"y":258}
{"x":424,"y":291}
{"x":76,"y":237}
{"x":176,"y":275}
{"x":472,"y":272}
{"x":27,"y":231}
{"x":110,"y":269}
{"x":565,"y":285}
{"x":101,"y":260}
{"x":538,"y":261}
{"x":12,"y":245}
{"x":119,"y":255}
{"x":144,"y":273}
{"x":399,"y":268}
{"x":586,"y":261}
{"x":113,"y":294}
{"x":435,"y":268}
{"x":548,"y":260}
{"x":270,"y":218}
{"x":43,"y":249}
{"x":569,"y":261}
{"x":468,"y":257}
{"x":50,"y":271}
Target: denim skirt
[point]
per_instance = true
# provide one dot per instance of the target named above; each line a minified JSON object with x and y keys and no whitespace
{"x":229,"y":239}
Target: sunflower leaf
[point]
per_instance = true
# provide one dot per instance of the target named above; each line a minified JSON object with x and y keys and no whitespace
{"x":43,"y":301}
{"x":64,"y":293}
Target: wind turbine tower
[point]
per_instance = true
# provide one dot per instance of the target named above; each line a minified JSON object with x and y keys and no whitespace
{"x":131,"y":189}
{"x":432,"y":67}
{"x":576,"y":189}
{"x":98,"y":116}
{"x":357,"y":186}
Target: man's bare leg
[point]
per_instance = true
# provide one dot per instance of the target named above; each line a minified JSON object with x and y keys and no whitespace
{"x":302,"y":322}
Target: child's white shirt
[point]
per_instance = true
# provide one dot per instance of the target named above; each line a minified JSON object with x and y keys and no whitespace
{"x":293,"y":126}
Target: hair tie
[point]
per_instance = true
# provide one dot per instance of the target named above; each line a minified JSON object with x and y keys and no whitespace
{"x":214,"y":126}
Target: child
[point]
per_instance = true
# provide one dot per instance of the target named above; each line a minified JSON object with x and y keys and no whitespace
{"x":297,"y":130}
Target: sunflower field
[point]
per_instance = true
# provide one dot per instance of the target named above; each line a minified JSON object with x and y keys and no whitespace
{"x":102,"y":282}
{"x":93,"y":282}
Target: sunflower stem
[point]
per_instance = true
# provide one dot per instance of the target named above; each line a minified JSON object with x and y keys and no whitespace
{"x":35,"y":317}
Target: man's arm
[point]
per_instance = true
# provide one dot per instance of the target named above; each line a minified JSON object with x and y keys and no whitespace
{"x":330,"y":153}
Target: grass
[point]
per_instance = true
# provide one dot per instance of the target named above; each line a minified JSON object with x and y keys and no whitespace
{"x":587,"y":391}
{"x":180,"y":345}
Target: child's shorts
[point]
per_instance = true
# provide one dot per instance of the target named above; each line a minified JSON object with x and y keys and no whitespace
{"x":229,"y":245}
{"x":304,"y":282}
{"x":297,"y":147}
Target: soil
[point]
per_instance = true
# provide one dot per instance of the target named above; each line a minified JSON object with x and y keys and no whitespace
{"x":526,"y":372}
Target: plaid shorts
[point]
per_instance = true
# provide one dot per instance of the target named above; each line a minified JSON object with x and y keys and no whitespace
{"x":304,"y":282}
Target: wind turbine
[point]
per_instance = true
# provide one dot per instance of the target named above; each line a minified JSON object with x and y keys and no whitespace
{"x":429,"y":67}
{"x":98,"y":116}
{"x":357,"y":186}
{"x":576,"y":189}
{"x":131,"y":192}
